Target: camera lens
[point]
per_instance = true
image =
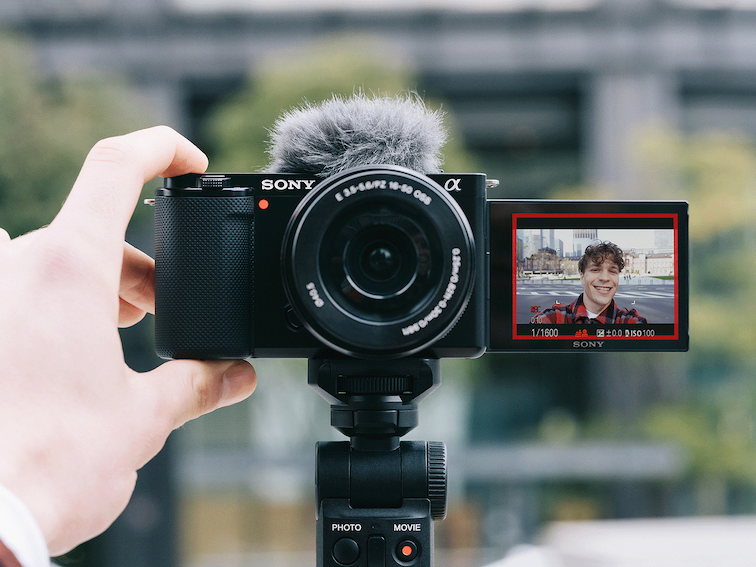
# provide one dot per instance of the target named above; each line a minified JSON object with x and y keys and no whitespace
{"x":377,"y":261}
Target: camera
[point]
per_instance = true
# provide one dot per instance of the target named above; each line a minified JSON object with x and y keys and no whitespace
{"x":384,"y":262}
{"x":376,"y":261}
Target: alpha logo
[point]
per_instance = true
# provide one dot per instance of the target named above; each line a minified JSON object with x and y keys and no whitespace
{"x":587,"y":344}
{"x":452,"y":184}
{"x":287,"y":184}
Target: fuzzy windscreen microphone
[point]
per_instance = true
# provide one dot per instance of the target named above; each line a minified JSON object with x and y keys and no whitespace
{"x":340,"y":133}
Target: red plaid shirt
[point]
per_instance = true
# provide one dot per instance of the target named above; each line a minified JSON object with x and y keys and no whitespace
{"x":576,"y":313}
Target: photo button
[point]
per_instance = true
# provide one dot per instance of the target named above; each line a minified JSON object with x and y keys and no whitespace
{"x":346,"y":551}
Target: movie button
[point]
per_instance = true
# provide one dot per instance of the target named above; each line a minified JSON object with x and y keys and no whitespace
{"x":346,"y":551}
{"x":407,"y":550}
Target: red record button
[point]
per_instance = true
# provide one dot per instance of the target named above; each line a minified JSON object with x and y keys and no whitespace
{"x":406,"y":550}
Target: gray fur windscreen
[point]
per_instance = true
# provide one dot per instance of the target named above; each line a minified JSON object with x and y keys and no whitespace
{"x":340,"y":133}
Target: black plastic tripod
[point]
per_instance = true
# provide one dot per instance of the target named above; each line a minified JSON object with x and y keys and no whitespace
{"x":377,"y":495}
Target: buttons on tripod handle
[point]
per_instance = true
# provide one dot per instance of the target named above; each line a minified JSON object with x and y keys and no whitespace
{"x":346,"y":551}
{"x":407,"y":550}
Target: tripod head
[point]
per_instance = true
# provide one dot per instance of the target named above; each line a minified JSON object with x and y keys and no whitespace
{"x":377,"y":495}
{"x":374,"y":402}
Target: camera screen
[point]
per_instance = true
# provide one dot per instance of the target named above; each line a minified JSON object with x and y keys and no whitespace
{"x":572,"y":275}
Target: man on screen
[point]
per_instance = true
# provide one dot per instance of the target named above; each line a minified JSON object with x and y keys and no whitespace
{"x":600,"y":268}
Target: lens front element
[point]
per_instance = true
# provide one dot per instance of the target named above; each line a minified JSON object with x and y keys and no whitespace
{"x":378,"y":260}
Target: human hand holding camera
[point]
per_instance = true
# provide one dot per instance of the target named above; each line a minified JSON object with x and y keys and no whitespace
{"x":77,"y":423}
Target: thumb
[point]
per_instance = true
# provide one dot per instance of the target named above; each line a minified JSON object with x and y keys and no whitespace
{"x":190,"y":388}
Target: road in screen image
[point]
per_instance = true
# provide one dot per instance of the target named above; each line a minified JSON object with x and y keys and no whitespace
{"x":652,"y":298}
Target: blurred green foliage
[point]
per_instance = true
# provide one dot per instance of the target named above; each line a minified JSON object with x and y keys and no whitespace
{"x":716,"y":421}
{"x":46,"y":129}
{"x":716,"y":173}
{"x":713,"y":415}
{"x":238,"y":129}
{"x":717,"y":425}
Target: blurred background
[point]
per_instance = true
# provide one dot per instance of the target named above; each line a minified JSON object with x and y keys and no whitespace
{"x":593,"y":99}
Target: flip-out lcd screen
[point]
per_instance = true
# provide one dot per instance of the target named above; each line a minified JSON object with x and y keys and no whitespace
{"x":589,"y":275}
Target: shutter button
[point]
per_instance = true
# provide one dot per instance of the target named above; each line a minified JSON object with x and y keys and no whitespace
{"x":346,"y":551}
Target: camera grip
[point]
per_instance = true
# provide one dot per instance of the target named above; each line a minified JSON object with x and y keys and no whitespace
{"x":204,"y":256}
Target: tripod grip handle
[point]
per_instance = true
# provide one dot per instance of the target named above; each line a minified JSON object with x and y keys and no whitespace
{"x":376,"y":508}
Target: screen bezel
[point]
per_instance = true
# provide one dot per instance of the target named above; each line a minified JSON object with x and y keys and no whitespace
{"x":506,"y":215}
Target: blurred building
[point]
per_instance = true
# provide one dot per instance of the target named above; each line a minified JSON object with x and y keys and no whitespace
{"x":547,"y":94}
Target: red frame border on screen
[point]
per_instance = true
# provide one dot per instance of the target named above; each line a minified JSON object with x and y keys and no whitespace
{"x":547,"y":216}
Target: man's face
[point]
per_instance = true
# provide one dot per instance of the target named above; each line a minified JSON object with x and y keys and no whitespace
{"x":600,"y":283}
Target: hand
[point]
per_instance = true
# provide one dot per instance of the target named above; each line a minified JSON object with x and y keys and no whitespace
{"x":75,"y":422}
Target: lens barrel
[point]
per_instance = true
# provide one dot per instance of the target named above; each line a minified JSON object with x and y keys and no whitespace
{"x":378,"y":261}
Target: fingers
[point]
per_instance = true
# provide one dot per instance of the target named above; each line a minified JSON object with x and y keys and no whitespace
{"x":128,"y":314}
{"x":137,"y":289}
{"x":4,"y":236}
{"x":106,"y":192}
{"x":186,"y":389}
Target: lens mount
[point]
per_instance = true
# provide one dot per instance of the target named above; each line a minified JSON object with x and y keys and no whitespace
{"x":378,"y":261}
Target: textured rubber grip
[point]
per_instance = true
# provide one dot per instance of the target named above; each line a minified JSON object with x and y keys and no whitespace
{"x":204,"y":259}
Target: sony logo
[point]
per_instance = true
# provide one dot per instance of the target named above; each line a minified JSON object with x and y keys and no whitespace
{"x":287,"y":184}
{"x":587,"y":344}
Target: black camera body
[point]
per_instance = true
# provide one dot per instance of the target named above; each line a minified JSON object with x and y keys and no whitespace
{"x":382,"y":262}
{"x":377,"y":261}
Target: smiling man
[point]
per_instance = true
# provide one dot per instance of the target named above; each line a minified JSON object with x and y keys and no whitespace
{"x":600,"y":268}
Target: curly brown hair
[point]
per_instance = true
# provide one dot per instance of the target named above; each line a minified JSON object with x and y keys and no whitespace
{"x":598,"y":253}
